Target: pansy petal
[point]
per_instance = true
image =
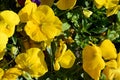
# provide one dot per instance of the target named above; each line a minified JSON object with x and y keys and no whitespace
{"x":54,"y":29}
{"x":65,"y":4}
{"x":108,"y":50}
{"x":6,"y":22}
{"x":100,"y":3}
{"x":112,"y":64}
{"x":34,"y":32}
{"x":68,"y":59}
{"x":7,"y":29}
{"x":43,"y":14}
{"x":9,"y":16}
{"x":92,"y":61}
{"x":26,"y":11}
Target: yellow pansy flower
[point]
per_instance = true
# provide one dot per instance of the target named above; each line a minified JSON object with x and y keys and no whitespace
{"x":27,"y":10}
{"x":65,"y":4}
{"x":92,"y":61}
{"x":3,"y":42}
{"x":12,"y":74}
{"x":63,"y":57}
{"x":8,"y":20}
{"x":43,"y":24}
{"x":108,"y":50}
{"x":32,"y":62}
{"x":112,"y":69}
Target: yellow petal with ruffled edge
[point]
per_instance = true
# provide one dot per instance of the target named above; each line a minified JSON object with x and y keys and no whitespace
{"x":7,"y":29}
{"x":108,"y":50}
{"x":54,"y":28}
{"x":100,"y":3}
{"x":65,"y":4}
{"x":32,"y":62}
{"x":34,"y":32}
{"x":43,"y":14}
{"x":8,"y":20}
{"x":92,"y":61}
{"x":10,"y":17}
{"x":111,"y":64}
{"x":47,"y":2}
{"x":26,"y":11}
{"x":67,"y":60}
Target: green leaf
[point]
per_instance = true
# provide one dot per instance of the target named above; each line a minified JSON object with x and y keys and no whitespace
{"x":103,"y":77}
{"x":65,"y":26}
{"x":112,"y":35}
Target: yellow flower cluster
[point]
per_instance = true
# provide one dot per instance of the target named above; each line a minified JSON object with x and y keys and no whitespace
{"x":41,"y":26}
{"x":7,"y":28}
{"x":112,"y":6}
{"x":102,"y":59}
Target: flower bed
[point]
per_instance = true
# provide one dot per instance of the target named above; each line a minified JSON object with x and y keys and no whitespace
{"x":59,"y":39}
